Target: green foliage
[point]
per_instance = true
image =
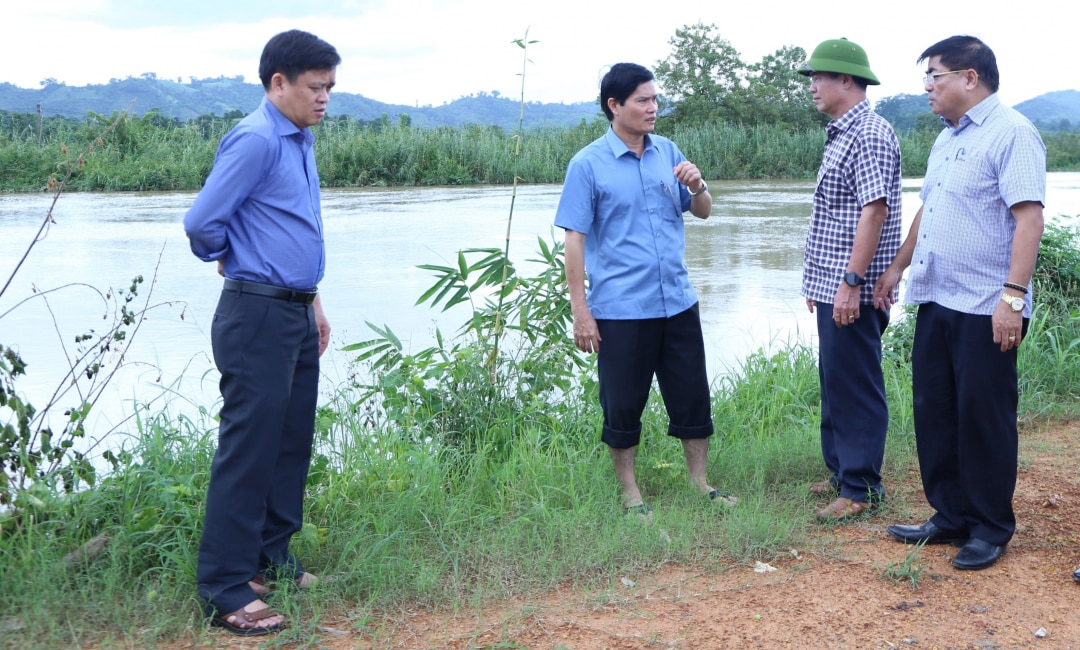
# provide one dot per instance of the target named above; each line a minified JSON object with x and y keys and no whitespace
{"x":1058,"y":268}
{"x":455,"y":391}
{"x":37,"y":459}
{"x":1049,"y":357}
{"x":906,"y":112}
{"x":729,"y":151}
{"x":710,"y":84}
{"x":1062,"y":150}
{"x":778,"y":96}
{"x":702,"y":72}
{"x":148,"y":154}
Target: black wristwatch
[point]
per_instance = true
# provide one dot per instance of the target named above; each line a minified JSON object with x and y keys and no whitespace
{"x":853,"y":279}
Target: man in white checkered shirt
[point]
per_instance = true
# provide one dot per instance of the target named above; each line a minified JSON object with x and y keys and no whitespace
{"x":972,"y":250}
{"x":854,"y":233}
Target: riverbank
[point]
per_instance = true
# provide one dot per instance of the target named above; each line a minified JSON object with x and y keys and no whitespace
{"x":848,"y":586}
{"x":446,"y":484}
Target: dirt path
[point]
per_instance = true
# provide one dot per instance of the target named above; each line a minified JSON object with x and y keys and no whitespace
{"x":841,"y":600}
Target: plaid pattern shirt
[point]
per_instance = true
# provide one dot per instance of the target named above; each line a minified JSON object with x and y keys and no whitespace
{"x":861,"y":164}
{"x":976,"y":172}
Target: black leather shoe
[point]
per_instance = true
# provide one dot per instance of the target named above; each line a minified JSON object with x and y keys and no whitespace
{"x":977,"y":554}
{"x":926,"y":533}
{"x":1076,"y":575}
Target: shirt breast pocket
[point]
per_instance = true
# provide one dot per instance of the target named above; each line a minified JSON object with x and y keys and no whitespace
{"x":670,"y":205}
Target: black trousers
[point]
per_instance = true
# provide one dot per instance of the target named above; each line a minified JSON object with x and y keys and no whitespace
{"x":267,"y":351}
{"x":965,"y":395}
{"x":631,"y":353}
{"x":854,"y":411}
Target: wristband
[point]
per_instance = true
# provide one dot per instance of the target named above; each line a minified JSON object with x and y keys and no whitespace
{"x":1016,"y":287}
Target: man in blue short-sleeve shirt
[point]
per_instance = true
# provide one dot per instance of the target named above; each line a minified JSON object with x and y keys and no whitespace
{"x":971,"y":252}
{"x":622,"y":207}
{"x":258,"y":216}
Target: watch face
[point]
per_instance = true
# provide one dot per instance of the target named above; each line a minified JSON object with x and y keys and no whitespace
{"x":1017,"y":304}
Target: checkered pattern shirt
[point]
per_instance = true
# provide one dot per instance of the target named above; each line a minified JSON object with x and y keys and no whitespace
{"x":991,"y":161}
{"x":861,"y":165}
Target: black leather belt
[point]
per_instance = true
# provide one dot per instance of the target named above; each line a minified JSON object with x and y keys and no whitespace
{"x":270,"y":291}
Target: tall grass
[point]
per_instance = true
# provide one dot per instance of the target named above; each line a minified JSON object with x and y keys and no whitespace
{"x":155,"y":153}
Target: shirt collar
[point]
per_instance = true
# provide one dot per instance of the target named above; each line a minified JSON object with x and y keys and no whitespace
{"x":847,"y":120}
{"x":619,"y":148}
{"x":977,"y":114}
{"x":282,"y":124}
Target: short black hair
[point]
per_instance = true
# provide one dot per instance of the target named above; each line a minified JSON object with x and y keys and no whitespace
{"x":293,"y":53}
{"x":620,"y":82}
{"x":964,"y":52}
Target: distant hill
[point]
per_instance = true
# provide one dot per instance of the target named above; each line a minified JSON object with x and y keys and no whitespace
{"x":221,"y":95}
{"x":1055,"y":111}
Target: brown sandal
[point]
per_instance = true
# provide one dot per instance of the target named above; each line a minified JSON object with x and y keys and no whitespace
{"x":251,"y":618}
{"x":843,"y":508}
{"x":823,"y":487}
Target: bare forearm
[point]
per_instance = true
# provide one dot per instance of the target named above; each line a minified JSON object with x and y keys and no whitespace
{"x":701,"y":205}
{"x":1026,"y":238}
{"x":867,"y":236}
{"x":575,"y":269}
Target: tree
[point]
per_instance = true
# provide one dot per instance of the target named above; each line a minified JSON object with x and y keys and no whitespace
{"x":778,"y":95}
{"x":708,"y":82}
{"x":700,"y":75}
{"x":907,"y":112}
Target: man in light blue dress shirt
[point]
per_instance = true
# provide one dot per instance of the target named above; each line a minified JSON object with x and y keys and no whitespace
{"x":259,"y":217}
{"x":971,"y":252}
{"x":622,"y":208}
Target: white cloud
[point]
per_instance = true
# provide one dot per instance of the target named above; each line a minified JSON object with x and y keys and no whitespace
{"x":429,"y":51}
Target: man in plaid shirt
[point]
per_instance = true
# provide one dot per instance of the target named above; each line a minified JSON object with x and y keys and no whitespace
{"x":854,"y":233}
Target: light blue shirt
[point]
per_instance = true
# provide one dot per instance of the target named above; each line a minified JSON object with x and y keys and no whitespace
{"x":631,"y":213}
{"x":976,"y":172}
{"x":259,"y":209}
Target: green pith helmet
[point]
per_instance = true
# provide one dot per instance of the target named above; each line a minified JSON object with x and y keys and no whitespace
{"x":840,"y":56}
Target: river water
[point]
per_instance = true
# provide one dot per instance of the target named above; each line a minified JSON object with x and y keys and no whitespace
{"x":745,"y":262}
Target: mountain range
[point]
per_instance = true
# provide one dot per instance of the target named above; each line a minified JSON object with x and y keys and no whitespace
{"x":1054,"y":111}
{"x":222,"y":95}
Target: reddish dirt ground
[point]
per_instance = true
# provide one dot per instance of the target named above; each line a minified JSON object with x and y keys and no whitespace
{"x":833,"y":599}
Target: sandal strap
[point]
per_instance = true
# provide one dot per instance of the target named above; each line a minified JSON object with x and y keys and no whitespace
{"x":251,"y":617}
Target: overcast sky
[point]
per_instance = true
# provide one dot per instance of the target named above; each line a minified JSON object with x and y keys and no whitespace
{"x":434,"y":51}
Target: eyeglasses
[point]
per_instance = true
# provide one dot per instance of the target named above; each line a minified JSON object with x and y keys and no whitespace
{"x":931,"y":77}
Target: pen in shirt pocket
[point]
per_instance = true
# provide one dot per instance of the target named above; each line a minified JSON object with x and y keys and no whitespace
{"x":666,"y":189}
